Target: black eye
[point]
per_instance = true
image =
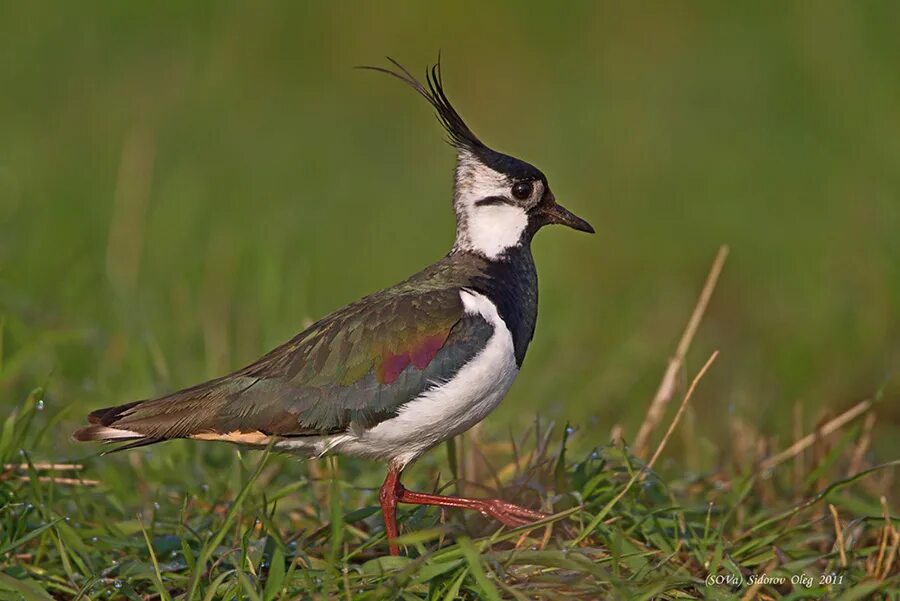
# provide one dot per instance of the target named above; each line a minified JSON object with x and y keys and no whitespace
{"x":522,"y":190}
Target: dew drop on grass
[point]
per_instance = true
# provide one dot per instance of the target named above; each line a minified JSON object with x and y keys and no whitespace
{"x":94,"y":539}
{"x":595,"y":455}
{"x":117,"y":584}
{"x":155,"y":505}
{"x":40,"y":405}
{"x":569,"y":429}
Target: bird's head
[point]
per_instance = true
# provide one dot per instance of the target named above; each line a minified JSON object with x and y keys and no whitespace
{"x":500,"y":201}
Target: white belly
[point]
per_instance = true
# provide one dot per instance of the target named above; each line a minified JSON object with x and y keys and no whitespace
{"x":445,"y":410}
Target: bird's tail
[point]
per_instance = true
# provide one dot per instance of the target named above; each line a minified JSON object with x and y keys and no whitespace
{"x":102,"y":427}
{"x":208,"y":411}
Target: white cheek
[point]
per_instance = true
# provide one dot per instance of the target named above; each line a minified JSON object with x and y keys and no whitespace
{"x":494,"y":228}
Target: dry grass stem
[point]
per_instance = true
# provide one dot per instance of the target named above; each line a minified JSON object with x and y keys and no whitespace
{"x":839,"y":534}
{"x":754,"y":588}
{"x":826,"y":429}
{"x":865,"y":439}
{"x":659,"y":449}
{"x":681,"y":408}
{"x":44,"y":467}
{"x":67,"y":481}
{"x":885,"y":534}
{"x":616,"y":434}
{"x":667,"y":386}
{"x":892,"y":556}
{"x":799,"y":459}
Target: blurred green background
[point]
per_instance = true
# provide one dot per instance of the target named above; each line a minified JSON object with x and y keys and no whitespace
{"x":185,"y":185}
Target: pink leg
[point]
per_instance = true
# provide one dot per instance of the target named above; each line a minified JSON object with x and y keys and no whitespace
{"x":393,"y":492}
{"x":387,"y":496}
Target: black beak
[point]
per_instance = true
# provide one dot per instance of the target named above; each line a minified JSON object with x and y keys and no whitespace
{"x":556,"y":213}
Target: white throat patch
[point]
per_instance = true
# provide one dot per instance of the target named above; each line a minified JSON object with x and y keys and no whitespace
{"x":487,"y":229}
{"x":494,"y":228}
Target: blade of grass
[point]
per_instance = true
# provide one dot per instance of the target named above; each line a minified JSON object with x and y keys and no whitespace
{"x":157,"y":575}
{"x":336,"y":510}
{"x":275,"y":575}
{"x":453,"y":591}
{"x":248,"y":587}
{"x":27,"y":537}
{"x":612,"y":502}
{"x":834,"y":486}
{"x":477,"y":570}
{"x":210,"y":546}
{"x":26,"y":588}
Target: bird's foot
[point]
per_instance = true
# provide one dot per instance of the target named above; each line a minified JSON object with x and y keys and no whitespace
{"x":392,"y":493}
{"x":509,"y":514}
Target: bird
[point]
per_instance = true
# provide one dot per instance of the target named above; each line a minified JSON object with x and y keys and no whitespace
{"x":396,"y":373}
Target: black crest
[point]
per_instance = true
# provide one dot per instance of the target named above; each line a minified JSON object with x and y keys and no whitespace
{"x":460,"y":136}
{"x":459,"y":133}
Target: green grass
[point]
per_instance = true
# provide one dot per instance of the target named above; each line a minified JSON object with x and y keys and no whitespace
{"x":206,"y":522}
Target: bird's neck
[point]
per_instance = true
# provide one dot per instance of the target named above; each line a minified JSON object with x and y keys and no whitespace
{"x":510,"y":282}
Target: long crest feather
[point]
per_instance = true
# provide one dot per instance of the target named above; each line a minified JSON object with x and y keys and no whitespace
{"x":460,"y":136}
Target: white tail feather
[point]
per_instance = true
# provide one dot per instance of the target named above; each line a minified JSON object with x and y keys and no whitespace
{"x":114,"y":434}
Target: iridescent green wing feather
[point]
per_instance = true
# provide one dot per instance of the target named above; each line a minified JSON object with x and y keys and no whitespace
{"x":357,"y":367}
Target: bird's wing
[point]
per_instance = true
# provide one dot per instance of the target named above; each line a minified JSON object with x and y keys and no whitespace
{"x":357,"y":367}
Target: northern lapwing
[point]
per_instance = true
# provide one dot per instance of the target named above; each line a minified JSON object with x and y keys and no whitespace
{"x":399,"y":371}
